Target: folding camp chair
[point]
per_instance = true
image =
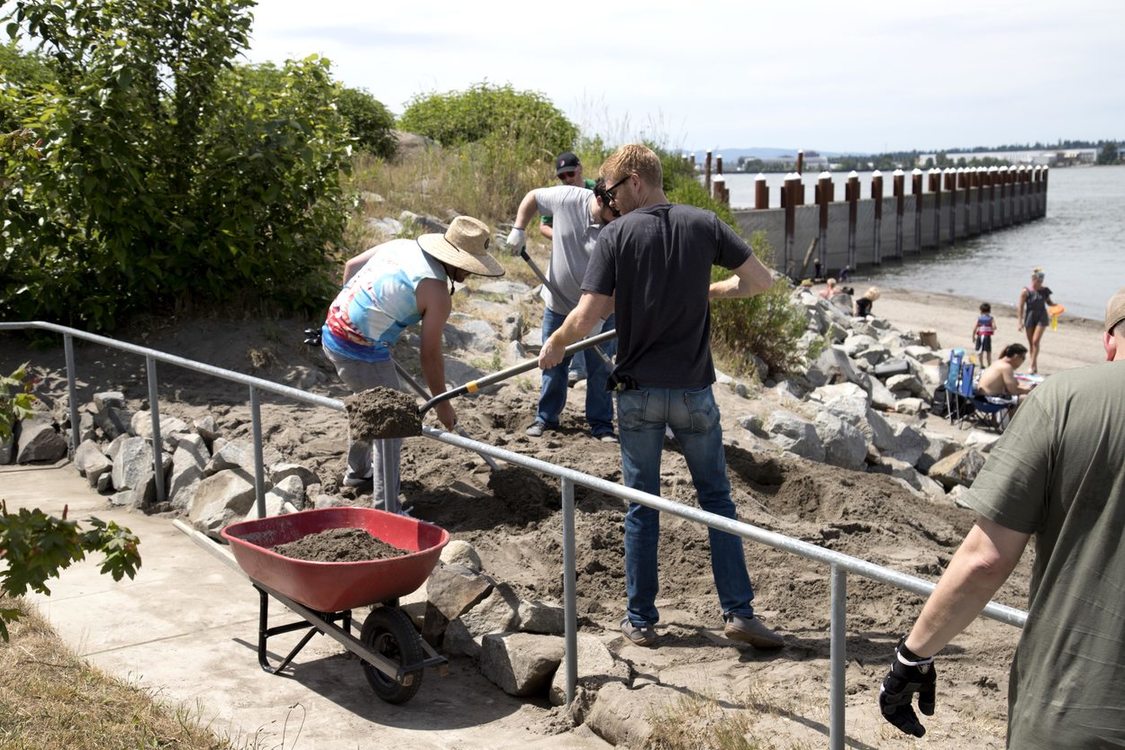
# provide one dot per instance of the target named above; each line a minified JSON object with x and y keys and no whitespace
{"x":991,"y":412}
{"x":952,"y":384}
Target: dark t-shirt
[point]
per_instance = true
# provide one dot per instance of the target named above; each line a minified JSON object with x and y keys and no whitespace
{"x":863,"y":307}
{"x":657,"y":261}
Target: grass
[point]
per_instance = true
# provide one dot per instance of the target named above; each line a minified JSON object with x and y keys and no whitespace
{"x":51,"y":698}
{"x":697,"y":723}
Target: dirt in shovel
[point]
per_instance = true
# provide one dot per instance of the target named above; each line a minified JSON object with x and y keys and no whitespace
{"x":382,"y":412}
{"x":338,"y":545}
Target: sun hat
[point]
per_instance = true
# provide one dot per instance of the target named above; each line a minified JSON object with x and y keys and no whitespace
{"x":1115,"y":310}
{"x":567,"y":162}
{"x":464,"y":245}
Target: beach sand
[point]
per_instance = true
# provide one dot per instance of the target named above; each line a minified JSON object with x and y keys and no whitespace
{"x":1076,"y":343}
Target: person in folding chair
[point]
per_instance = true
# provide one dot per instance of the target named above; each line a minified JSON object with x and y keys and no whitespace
{"x":998,"y":390}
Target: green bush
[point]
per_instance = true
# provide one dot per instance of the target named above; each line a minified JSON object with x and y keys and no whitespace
{"x":154,"y":174}
{"x":526,"y":118}
{"x":369,"y":122}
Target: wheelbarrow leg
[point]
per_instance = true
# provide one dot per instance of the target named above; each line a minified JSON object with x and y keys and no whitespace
{"x":264,"y":632}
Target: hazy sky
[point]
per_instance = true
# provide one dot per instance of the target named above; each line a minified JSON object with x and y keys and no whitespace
{"x":835,"y":76}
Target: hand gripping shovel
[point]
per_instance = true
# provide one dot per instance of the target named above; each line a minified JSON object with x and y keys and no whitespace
{"x":555,"y":292}
{"x":475,"y":385}
{"x":417,"y":388}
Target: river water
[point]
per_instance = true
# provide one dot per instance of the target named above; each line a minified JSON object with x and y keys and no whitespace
{"x":1079,"y":244}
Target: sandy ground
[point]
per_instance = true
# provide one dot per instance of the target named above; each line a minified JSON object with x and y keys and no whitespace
{"x":512,"y":517}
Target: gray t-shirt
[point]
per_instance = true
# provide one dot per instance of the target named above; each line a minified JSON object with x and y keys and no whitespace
{"x":1059,"y":472}
{"x":656,"y":262}
{"x":574,"y":235}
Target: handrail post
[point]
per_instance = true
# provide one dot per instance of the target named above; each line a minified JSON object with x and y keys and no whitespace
{"x":259,"y":473}
{"x":838,"y":656}
{"x":157,"y":442}
{"x":570,"y":596}
{"x":71,"y":392}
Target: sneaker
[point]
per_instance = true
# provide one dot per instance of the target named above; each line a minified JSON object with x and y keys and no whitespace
{"x":571,"y":379}
{"x":536,"y":430}
{"x":364,"y":483}
{"x":751,"y":630}
{"x":641,"y":635}
{"x":607,"y":437}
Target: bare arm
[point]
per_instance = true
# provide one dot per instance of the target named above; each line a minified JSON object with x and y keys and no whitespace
{"x":592,"y":309}
{"x":546,"y":231}
{"x":434,"y":304}
{"x":352,"y":266}
{"x":1012,"y":384}
{"x":527,"y":210}
{"x":1019,"y":308}
{"x":749,"y":279}
{"x":982,"y":563}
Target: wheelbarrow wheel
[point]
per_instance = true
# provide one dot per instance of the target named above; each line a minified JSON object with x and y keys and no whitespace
{"x":389,"y":632}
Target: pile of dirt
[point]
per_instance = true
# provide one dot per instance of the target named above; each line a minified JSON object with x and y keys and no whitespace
{"x":338,"y":545}
{"x":380,"y":413}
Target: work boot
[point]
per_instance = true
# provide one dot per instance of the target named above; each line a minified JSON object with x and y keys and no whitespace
{"x":751,"y":630}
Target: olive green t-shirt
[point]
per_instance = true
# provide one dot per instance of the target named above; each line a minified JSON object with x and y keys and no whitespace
{"x":1058,"y":472}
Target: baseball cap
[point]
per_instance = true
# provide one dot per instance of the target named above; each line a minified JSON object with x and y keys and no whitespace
{"x":567,"y":162}
{"x":1115,"y":309}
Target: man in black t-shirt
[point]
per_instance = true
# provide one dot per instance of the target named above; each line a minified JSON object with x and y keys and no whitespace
{"x":652,"y":268}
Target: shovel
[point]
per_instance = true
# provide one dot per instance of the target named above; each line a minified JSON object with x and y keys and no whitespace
{"x":555,"y":292}
{"x":417,"y":387}
{"x":475,"y":385}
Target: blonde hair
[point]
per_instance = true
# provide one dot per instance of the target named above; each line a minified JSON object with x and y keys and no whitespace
{"x":872,"y":293}
{"x":633,"y":158}
{"x":1038,"y":273}
{"x":830,"y":283}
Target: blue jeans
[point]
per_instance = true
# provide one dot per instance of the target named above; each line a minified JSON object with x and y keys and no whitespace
{"x":693,"y":417}
{"x":552,"y":394}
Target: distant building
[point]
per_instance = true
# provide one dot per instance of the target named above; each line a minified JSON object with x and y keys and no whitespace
{"x":1037,"y":158}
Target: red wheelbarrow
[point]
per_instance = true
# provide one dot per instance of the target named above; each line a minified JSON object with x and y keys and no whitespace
{"x":324,"y":593}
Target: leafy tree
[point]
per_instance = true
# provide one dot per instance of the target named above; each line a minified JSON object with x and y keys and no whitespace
{"x":369,"y":122}
{"x":152,"y":172}
{"x":520,"y":117}
{"x":36,"y":546}
{"x":1108,"y":154}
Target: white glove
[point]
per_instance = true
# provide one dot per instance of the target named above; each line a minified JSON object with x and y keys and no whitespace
{"x":517,"y":239}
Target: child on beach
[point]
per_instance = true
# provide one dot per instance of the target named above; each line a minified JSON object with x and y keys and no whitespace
{"x":982,"y":334}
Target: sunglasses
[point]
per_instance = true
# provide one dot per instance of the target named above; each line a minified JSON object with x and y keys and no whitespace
{"x":605,"y":195}
{"x":567,"y":176}
{"x":609,"y":190}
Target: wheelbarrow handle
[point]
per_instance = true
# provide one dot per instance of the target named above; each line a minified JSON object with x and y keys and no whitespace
{"x":475,"y":385}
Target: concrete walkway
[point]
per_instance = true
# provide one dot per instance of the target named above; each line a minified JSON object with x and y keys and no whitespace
{"x":186,"y":627}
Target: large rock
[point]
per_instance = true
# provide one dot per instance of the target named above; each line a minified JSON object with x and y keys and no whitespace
{"x":844,"y":445}
{"x":91,"y":462}
{"x":459,"y":552}
{"x":141,"y":425}
{"x":623,"y":717}
{"x":110,"y":413}
{"x":540,"y":617}
{"x":847,"y":400}
{"x":520,"y":663}
{"x":857,"y":343}
{"x":220,"y":499}
{"x":939,"y":447}
{"x":497,"y":613}
{"x":833,"y":366}
{"x":907,"y":385}
{"x":289,"y":490}
{"x":280,"y":471}
{"x":463,"y":332}
{"x":961,"y":467}
{"x":881,"y":396}
{"x":188,"y":461}
{"x":453,"y":590}
{"x":909,"y":445}
{"x":132,"y":464}
{"x":596,"y":667}
{"x":795,"y":435}
{"x":878,"y":430}
{"x":39,"y":441}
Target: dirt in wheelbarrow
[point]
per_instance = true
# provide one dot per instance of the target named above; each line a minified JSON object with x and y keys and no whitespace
{"x":338,"y":545}
{"x":382,"y":412}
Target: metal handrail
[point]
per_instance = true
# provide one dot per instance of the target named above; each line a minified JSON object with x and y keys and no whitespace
{"x":839,"y":564}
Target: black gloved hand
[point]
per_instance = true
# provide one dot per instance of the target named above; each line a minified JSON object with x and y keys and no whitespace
{"x":312,"y":336}
{"x":909,"y":674}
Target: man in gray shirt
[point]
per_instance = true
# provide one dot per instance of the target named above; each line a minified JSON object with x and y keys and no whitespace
{"x":578,"y":217}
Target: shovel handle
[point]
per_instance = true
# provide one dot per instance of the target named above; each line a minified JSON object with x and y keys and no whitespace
{"x":475,"y":385}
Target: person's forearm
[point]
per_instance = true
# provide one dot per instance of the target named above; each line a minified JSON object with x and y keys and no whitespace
{"x":973,"y":577}
{"x":433,"y":370}
{"x":749,"y":279}
{"x":527,"y":210}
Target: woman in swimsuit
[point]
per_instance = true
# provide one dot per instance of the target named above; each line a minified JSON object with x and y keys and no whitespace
{"x":1033,"y":316}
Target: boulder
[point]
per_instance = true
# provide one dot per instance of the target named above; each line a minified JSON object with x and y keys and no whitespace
{"x":909,"y":444}
{"x":459,"y":552}
{"x":289,"y":490}
{"x":844,"y":445}
{"x":596,"y":667}
{"x":537,"y":616}
{"x":847,"y":400}
{"x":496,"y":613}
{"x":141,"y":425}
{"x":454,"y":589}
{"x":961,"y":467}
{"x":939,"y":447}
{"x":188,"y":462}
{"x":795,"y":435}
{"x":39,"y":441}
{"x":520,"y":664}
{"x":220,"y":499}
{"x":132,"y":464}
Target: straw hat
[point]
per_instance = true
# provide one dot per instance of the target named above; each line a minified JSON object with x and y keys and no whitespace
{"x":464,"y":245}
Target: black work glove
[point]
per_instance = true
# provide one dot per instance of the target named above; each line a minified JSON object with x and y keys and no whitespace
{"x":312,"y":336}
{"x":909,"y":674}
